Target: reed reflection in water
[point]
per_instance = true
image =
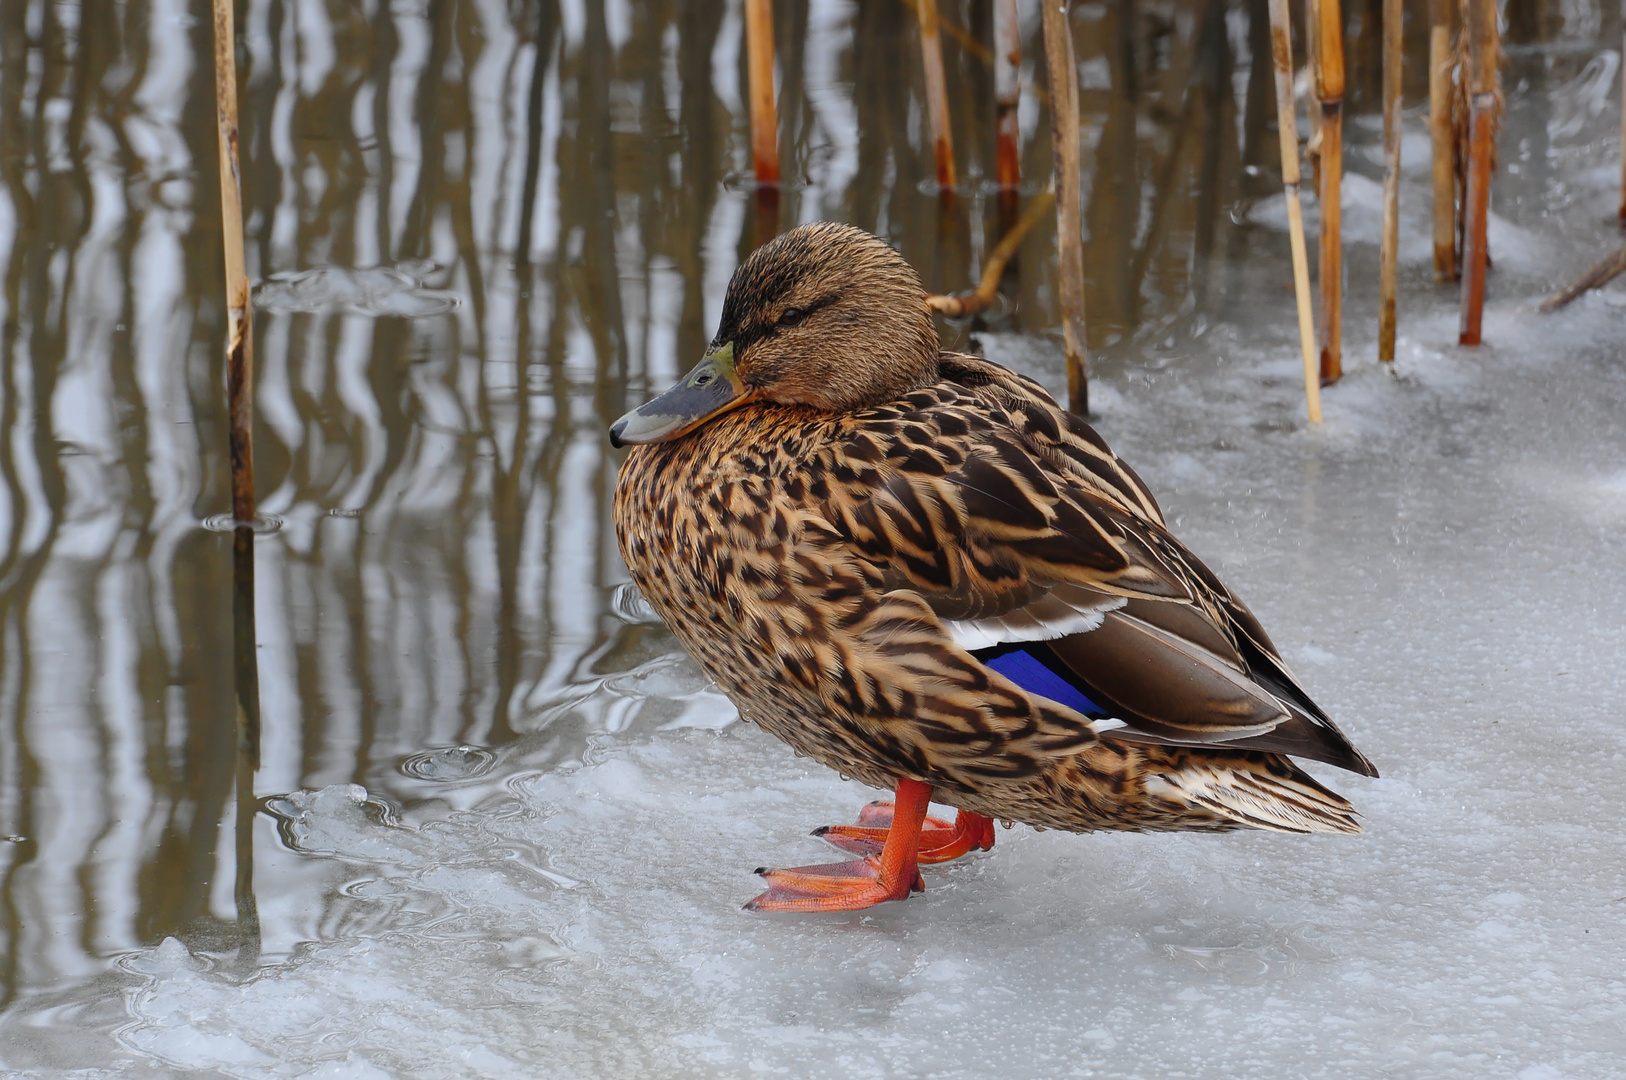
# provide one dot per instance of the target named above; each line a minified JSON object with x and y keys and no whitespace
{"x":482,"y":231}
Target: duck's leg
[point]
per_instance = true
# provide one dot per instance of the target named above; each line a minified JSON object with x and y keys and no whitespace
{"x":862,"y":883}
{"x":940,"y":841}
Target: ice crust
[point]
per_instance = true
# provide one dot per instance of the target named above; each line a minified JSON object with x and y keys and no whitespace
{"x":371,"y":290}
{"x":1442,"y":563}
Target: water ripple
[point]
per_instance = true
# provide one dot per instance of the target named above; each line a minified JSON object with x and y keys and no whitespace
{"x":450,"y":764}
{"x":264,"y":524}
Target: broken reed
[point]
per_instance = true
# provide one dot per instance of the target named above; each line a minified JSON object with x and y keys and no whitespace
{"x":1443,"y":138}
{"x":931,"y":57}
{"x":1063,"y":77}
{"x":1598,"y":274}
{"x":956,"y":307}
{"x":1325,"y":26}
{"x":1387,"y":273}
{"x":1484,"y":100}
{"x":1281,"y":53}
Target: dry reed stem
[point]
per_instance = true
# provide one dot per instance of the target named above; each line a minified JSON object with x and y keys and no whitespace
{"x":1063,"y":75}
{"x":1476,"y":209}
{"x":1387,"y":274}
{"x":961,"y":305}
{"x":240,"y":412}
{"x":1484,"y":98}
{"x":1600,"y":273}
{"x":1623,"y":114}
{"x":759,"y":76}
{"x":1444,"y":142}
{"x":239,"y":333}
{"x":931,"y":59}
{"x":1281,"y":51}
{"x":1328,"y":69}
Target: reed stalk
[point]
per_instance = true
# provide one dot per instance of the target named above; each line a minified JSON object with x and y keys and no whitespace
{"x":1063,"y":77}
{"x":1623,"y":114}
{"x":1387,"y":273}
{"x":931,"y":58}
{"x":1484,"y":103}
{"x":239,"y":336}
{"x":240,"y":414}
{"x":759,"y":78}
{"x":1007,"y":104}
{"x":1281,"y":53}
{"x":246,"y":680}
{"x":963,"y":304}
{"x":1443,"y":139}
{"x":1600,"y":273}
{"x":1327,"y":64}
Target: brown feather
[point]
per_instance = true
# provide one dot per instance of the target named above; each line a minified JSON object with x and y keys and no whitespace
{"x":818,"y":550}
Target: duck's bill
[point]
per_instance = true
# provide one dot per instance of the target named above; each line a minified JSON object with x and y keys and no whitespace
{"x":708,"y":390}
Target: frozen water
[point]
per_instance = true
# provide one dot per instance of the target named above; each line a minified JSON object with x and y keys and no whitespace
{"x":1442,"y":561}
{"x":370,"y":290}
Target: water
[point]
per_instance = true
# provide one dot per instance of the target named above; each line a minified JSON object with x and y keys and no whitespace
{"x":502,"y":825}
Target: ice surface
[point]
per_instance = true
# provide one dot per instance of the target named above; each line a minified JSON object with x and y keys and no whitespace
{"x":369,"y":290}
{"x":1443,"y":563}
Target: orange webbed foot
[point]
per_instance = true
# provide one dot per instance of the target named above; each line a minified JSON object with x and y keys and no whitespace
{"x":845,"y":886}
{"x":940,"y":841}
{"x":852,"y":886}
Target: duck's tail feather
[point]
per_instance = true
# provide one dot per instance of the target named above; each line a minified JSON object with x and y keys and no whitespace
{"x":1258,"y":791}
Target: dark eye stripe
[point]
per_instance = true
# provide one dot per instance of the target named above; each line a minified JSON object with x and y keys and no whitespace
{"x":751,"y":332}
{"x":801,"y":313}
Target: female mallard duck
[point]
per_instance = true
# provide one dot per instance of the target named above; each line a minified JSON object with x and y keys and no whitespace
{"x":915,"y":567}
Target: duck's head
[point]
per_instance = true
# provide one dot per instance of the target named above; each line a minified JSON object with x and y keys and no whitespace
{"x":826,"y":316}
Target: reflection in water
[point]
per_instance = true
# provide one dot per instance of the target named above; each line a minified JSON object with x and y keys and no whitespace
{"x":246,"y":716}
{"x":483,"y":230}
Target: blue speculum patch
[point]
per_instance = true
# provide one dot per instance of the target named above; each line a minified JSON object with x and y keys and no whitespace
{"x":1026,"y":666}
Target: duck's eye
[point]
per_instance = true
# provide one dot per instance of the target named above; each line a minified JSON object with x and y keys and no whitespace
{"x":790,"y":316}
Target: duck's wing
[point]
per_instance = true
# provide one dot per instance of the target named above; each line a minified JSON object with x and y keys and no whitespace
{"x":1044,"y":557}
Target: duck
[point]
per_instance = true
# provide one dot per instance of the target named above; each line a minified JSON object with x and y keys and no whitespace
{"x":915,"y":567}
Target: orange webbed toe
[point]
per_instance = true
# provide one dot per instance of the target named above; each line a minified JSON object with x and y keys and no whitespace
{"x":844,"y":886}
{"x":862,"y":883}
{"x":940,"y":841}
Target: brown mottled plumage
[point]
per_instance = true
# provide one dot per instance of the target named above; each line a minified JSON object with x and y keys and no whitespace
{"x":843,"y":533}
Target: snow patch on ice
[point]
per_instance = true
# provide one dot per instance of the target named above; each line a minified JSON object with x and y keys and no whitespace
{"x":1513,"y":246}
